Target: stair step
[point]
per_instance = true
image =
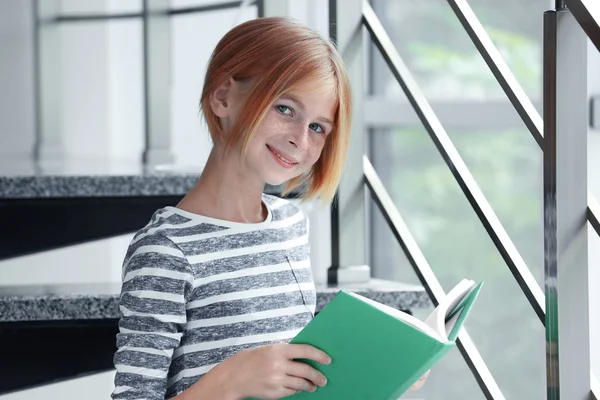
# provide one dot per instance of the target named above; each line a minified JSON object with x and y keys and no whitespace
{"x":52,"y":333}
{"x":70,"y":179}
{"x":73,"y":203}
{"x":100,"y":301}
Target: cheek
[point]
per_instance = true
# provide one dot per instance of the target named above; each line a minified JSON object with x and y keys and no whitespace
{"x":270,"y":126}
{"x":315,"y":152}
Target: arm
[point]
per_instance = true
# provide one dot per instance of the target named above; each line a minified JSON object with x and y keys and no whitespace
{"x":156,"y":283}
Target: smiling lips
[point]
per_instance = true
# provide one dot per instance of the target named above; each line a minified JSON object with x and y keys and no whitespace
{"x":283,"y":159}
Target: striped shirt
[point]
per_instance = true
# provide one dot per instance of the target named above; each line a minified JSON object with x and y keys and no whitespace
{"x":197,"y":290}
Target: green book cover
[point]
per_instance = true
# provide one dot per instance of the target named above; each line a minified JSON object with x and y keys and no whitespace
{"x":379,"y":352}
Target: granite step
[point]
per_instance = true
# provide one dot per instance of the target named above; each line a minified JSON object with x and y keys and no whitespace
{"x":52,"y":333}
{"x":57,"y":205}
{"x":100,"y":301}
{"x":85,"y":179}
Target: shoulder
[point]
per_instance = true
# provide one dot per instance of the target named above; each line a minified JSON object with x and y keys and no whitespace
{"x":154,"y":241}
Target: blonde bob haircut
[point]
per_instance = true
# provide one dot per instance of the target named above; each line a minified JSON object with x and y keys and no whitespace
{"x":279,"y":56}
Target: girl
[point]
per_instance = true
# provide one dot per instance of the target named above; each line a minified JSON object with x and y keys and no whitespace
{"x":214,"y":287}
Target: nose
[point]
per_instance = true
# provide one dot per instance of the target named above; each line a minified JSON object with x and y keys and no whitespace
{"x":299,"y":138}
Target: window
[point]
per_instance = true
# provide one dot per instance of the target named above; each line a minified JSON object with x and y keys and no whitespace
{"x":503,"y":158}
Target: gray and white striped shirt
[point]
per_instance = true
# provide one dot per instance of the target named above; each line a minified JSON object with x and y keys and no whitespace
{"x":197,"y":290}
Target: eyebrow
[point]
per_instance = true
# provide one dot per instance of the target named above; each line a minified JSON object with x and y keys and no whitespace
{"x":303,"y":108}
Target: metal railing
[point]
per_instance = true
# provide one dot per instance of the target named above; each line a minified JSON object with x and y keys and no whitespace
{"x":585,"y":16}
{"x":455,"y":163}
{"x":427,"y":277}
{"x":505,"y":77}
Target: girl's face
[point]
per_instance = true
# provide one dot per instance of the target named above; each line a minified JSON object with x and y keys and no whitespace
{"x":291,"y":137}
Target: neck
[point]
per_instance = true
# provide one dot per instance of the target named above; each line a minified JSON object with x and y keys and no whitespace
{"x":225,"y":191}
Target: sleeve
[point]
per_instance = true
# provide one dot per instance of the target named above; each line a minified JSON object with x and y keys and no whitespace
{"x":156,"y":285}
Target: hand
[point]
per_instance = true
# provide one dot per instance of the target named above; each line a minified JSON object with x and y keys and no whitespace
{"x":269,"y":372}
{"x":419,"y":384}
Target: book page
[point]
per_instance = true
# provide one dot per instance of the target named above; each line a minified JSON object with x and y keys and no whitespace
{"x":450,"y":323}
{"x":437,"y":319}
{"x":402,"y":316}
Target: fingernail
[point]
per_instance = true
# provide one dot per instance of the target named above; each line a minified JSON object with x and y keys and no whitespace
{"x":324,"y":382}
{"x":329,"y":360}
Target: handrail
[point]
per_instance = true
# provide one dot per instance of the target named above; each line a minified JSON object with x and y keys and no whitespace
{"x":461,"y":173}
{"x":427,"y":277}
{"x":587,"y":14}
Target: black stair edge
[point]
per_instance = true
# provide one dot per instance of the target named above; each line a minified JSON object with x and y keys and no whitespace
{"x":37,"y":354}
{"x":33,"y":225}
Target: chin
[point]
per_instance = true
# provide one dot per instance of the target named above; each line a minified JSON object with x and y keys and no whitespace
{"x":278,"y":179}
{"x":273,"y":181}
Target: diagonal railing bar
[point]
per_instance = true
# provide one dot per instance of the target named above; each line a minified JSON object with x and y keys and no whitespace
{"x":587,"y":15}
{"x":507,"y":80}
{"x":459,"y":170}
{"x":517,"y":96}
{"x":499,"y":68}
{"x":427,"y":277}
{"x":593,"y":212}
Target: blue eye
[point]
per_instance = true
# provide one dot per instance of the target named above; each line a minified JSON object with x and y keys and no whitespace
{"x":317,"y":128}
{"x":284,"y":110}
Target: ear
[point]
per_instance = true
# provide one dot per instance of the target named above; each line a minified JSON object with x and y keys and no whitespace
{"x":220,"y":99}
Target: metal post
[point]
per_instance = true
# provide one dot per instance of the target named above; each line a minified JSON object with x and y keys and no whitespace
{"x":348,"y":223}
{"x":47,"y":52}
{"x":157,"y":82}
{"x":565,"y":208}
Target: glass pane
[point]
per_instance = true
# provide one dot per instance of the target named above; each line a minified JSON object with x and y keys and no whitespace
{"x":442,"y":57}
{"x":453,"y":240}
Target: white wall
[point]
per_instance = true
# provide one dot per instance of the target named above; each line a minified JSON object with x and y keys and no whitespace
{"x":17,"y":116}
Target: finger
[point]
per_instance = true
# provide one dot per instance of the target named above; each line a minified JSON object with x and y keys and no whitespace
{"x":285,"y":392}
{"x":306,"y":372}
{"x":307,"y":352}
{"x":419,"y":384}
{"x":298,"y":384}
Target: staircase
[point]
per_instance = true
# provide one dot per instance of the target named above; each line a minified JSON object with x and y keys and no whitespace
{"x":51,"y":333}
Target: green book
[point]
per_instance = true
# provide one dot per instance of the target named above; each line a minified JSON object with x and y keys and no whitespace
{"x":379,"y":352}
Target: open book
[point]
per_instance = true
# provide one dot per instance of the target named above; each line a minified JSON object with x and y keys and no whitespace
{"x":446,"y":319}
{"x":378,"y":352}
